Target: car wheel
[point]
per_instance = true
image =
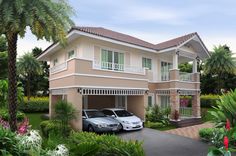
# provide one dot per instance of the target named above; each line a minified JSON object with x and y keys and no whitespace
{"x":121,"y":127}
{"x":90,"y":128}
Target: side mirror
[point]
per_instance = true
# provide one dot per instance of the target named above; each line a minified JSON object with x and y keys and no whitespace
{"x":132,"y":113}
{"x":84,"y":117}
{"x":113,"y":116}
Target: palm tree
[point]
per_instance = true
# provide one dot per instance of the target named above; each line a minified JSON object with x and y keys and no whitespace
{"x":28,"y":66}
{"x":47,"y":19}
{"x":220,"y":64}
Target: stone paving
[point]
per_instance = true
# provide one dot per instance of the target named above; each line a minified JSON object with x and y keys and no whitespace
{"x":191,"y":131}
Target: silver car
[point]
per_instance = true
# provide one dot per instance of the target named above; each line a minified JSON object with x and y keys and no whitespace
{"x":96,"y":121}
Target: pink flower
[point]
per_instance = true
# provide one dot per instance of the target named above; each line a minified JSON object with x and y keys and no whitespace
{"x":226,"y":143}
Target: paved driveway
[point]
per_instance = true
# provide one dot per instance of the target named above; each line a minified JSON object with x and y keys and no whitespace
{"x":157,"y":143}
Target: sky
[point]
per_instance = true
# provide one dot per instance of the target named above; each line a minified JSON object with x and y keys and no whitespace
{"x":154,"y":20}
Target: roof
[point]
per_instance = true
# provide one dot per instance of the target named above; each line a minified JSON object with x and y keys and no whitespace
{"x":99,"y":31}
{"x":174,"y":42}
{"x":102,"y":32}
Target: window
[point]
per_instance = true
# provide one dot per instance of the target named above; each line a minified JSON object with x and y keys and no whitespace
{"x":108,"y":112}
{"x":112,"y":60}
{"x":55,"y":61}
{"x":165,"y":67}
{"x":147,"y":63}
{"x":150,"y":104}
{"x":71,"y":54}
{"x":165,"y":101}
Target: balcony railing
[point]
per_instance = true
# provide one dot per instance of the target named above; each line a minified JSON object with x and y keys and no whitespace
{"x":185,"y":111}
{"x":183,"y":76}
{"x":117,"y":67}
{"x":58,"y":68}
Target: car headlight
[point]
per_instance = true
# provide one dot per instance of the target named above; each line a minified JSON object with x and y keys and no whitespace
{"x":101,"y":125}
{"x":126,"y":122}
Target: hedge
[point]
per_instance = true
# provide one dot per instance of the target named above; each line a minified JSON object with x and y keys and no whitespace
{"x":206,"y":134}
{"x":36,"y":104}
{"x":207,"y":101}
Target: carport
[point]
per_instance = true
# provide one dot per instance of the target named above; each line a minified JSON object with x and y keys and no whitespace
{"x":133,"y":100}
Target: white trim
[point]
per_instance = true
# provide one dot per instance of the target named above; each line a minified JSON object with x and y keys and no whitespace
{"x":172,"y":80}
{"x":116,"y":71}
{"x":186,"y":42}
{"x":100,"y":76}
{"x":98,"y":87}
{"x":166,"y":50}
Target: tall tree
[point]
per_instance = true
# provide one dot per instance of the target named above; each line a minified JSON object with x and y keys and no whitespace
{"x":220,"y":64}
{"x":28,"y":66}
{"x":47,"y":19}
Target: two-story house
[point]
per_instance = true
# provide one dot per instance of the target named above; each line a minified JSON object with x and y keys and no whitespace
{"x":101,"y":68}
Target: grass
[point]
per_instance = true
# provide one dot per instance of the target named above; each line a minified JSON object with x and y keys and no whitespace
{"x":34,"y":119}
{"x":169,"y":127}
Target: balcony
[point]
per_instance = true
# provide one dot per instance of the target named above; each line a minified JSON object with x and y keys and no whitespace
{"x":58,"y":68}
{"x":183,"y":76}
{"x":118,"y":67}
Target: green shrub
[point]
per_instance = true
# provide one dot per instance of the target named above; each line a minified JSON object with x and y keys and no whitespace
{"x":8,"y":143}
{"x":225,"y":109}
{"x":154,"y":125}
{"x":5,"y":115}
{"x":53,"y":126}
{"x":37,"y":104}
{"x":156,"y":114}
{"x":206,"y":134}
{"x":104,"y":145}
{"x":208,"y":101}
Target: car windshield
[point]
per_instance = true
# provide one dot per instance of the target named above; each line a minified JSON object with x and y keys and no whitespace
{"x":122,"y":113}
{"x":95,"y":114}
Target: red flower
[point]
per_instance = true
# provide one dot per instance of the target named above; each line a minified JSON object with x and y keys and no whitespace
{"x":227,"y":126}
{"x":226,"y":143}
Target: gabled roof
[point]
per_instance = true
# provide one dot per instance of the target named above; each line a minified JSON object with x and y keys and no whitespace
{"x":174,"y":42}
{"x":117,"y":36}
{"x":99,"y":31}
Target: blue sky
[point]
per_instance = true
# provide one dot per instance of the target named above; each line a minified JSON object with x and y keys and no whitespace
{"x":155,"y":20}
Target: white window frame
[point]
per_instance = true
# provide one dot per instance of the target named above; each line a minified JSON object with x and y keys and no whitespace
{"x":167,"y":100}
{"x":68,"y":54}
{"x":167,"y":72}
{"x":113,"y":53}
{"x":146,"y":59}
{"x":152,"y":96}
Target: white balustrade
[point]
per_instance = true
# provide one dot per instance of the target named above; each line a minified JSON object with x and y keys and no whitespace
{"x":183,"y":76}
{"x":58,"y":68}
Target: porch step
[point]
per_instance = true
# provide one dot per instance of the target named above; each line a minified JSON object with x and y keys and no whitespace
{"x":187,"y":122}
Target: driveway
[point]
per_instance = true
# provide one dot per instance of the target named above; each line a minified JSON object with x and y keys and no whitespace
{"x":157,"y":143}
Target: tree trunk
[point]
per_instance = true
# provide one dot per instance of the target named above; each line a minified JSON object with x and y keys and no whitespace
{"x":12,"y":89}
{"x":28,"y":88}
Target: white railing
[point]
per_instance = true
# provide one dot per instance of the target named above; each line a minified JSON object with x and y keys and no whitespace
{"x":183,"y":76}
{"x":185,"y":111}
{"x":117,"y":67}
{"x":58,"y":68}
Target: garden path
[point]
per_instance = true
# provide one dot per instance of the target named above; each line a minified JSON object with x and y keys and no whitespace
{"x":191,"y":131}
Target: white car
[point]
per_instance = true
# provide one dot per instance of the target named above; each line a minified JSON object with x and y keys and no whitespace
{"x":127,"y":119}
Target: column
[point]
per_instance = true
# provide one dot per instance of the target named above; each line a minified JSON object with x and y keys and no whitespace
{"x":175,"y":60}
{"x":196,"y":108}
{"x":174,"y":103}
{"x":75,"y":98}
{"x":52,"y":101}
{"x":195,"y":66}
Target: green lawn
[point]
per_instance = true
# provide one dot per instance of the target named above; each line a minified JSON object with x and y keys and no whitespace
{"x":34,"y":119}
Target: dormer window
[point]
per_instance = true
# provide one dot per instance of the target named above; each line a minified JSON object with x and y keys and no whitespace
{"x":71,"y":54}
